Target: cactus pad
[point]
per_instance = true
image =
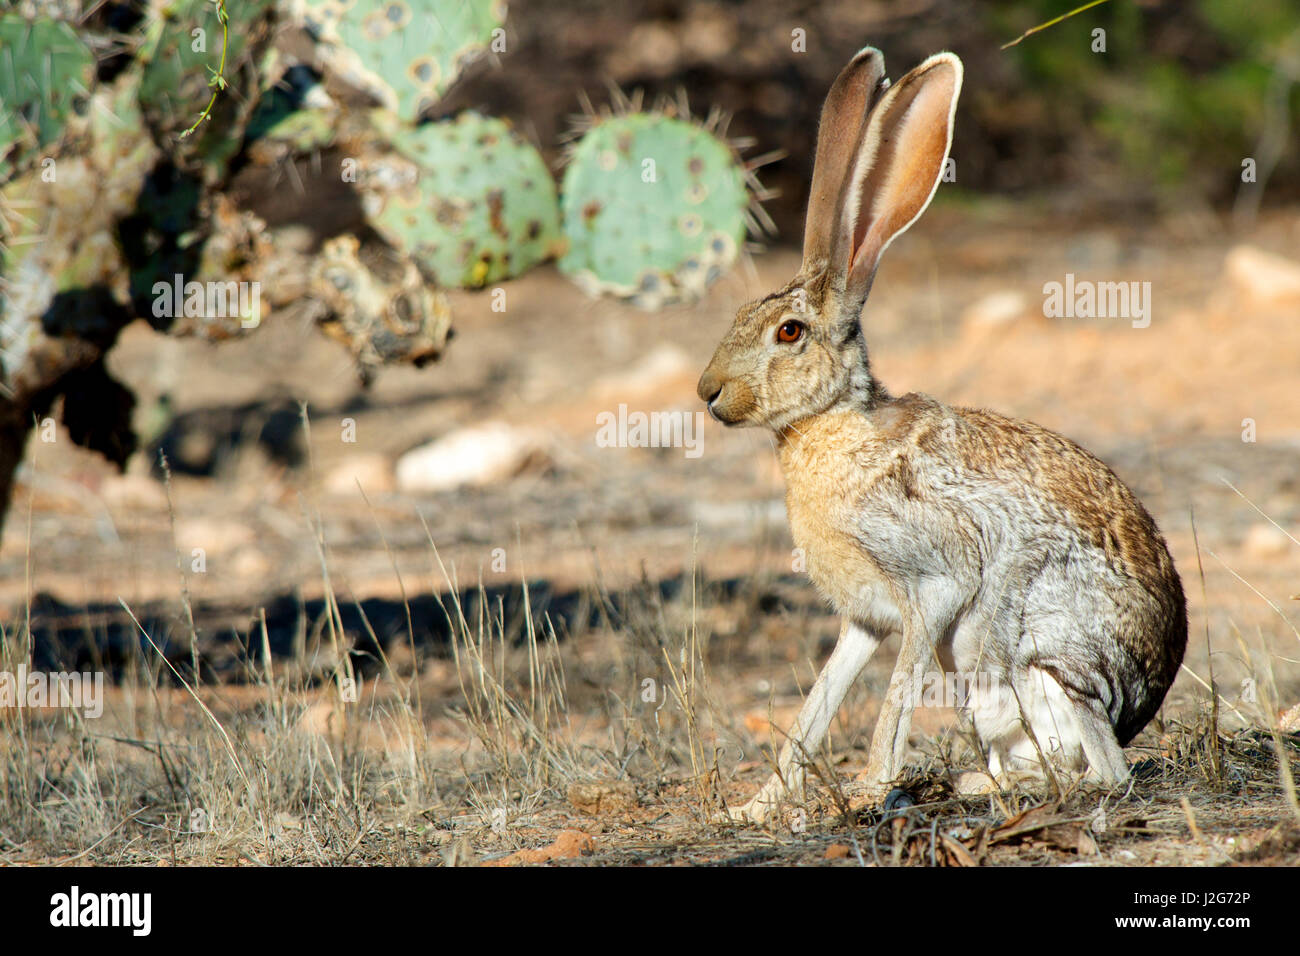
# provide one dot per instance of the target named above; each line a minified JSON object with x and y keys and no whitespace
{"x":44,"y":70}
{"x":655,"y":208}
{"x":477,"y":206}
{"x":406,"y":53}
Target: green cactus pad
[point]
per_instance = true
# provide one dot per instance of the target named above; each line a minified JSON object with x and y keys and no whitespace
{"x":406,"y":53}
{"x":44,"y":70}
{"x":479,"y":206}
{"x":654,"y":209}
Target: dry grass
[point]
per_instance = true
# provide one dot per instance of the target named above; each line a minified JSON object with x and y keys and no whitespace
{"x":623,"y":722}
{"x":278,"y":767}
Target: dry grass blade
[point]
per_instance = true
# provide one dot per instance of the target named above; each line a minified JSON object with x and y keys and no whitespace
{"x":1051,"y":23}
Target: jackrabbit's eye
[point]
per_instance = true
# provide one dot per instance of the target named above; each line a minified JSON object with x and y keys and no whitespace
{"x":790,"y":331}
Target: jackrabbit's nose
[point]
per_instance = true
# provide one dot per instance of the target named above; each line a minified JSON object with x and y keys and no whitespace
{"x":709,"y":388}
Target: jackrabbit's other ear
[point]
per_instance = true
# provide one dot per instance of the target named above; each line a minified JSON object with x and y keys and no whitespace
{"x":897,"y":169}
{"x":844,"y":117}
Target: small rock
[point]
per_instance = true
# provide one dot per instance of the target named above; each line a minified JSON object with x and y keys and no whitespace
{"x":474,"y":456}
{"x":569,"y":845}
{"x":1263,"y":540}
{"x":759,"y":722}
{"x":602,"y":796}
{"x":996,"y":309}
{"x":213,"y":535}
{"x":837,"y":851}
{"x":372,"y":471}
{"x":1289,"y":723}
{"x":572,"y":843}
{"x":1262,"y":276}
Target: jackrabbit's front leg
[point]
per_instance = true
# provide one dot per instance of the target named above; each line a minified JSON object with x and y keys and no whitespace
{"x":854,"y":648}
{"x":889,"y":740}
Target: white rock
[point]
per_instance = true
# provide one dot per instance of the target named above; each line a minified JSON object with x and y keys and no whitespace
{"x":997,"y":308}
{"x":213,"y":535}
{"x":478,"y":455}
{"x":742,"y":514}
{"x":373,"y":471}
{"x":1262,"y":276}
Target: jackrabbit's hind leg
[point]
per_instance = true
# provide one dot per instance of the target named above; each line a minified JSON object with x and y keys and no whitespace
{"x":1106,"y":761}
{"x":992,"y":709}
{"x":1075,"y":731}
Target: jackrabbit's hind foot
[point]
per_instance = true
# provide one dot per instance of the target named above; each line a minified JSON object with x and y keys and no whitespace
{"x":1107,"y":764}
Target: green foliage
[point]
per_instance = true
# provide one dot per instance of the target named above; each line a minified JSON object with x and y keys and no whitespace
{"x":186,"y":52}
{"x":1254,"y":28}
{"x":45,"y":69}
{"x":654,"y":208}
{"x":479,"y":205}
{"x":406,"y":53}
{"x":1179,"y":123}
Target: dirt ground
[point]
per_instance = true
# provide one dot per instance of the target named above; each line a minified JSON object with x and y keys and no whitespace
{"x":648,"y":565}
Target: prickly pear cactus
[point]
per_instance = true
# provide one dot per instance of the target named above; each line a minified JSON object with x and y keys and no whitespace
{"x":654,"y":209}
{"x":406,"y":53}
{"x":60,"y":249}
{"x":182,"y":54}
{"x":383,"y":313}
{"x":45,"y":69}
{"x":474,"y":204}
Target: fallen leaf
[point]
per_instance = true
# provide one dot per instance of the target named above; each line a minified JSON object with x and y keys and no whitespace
{"x":1046,"y":823}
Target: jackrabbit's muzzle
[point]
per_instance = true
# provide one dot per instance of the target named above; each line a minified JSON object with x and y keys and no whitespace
{"x":729,"y":400}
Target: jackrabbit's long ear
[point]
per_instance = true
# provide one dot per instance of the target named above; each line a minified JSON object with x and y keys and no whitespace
{"x":844,"y":117}
{"x":897,"y":169}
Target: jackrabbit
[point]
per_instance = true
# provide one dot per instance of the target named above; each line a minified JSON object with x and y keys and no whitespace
{"x":953,"y":528}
